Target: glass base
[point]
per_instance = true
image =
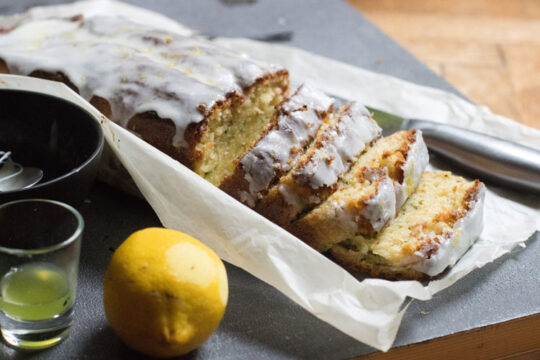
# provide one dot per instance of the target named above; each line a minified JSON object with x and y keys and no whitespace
{"x":35,"y":340}
{"x":35,"y":335}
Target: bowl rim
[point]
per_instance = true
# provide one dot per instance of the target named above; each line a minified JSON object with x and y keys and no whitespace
{"x":78,"y":168}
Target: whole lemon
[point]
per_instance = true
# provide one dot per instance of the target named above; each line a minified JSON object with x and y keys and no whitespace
{"x":164,"y":292}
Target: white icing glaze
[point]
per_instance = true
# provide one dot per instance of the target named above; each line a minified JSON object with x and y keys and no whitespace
{"x":342,"y":144}
{"x":343,"y":218}
{"x":135,"y":67}
{"x":417,"y":160}
{"x":381,"y":208}
{"x":452,"y":246}
{"x":277,"y":152}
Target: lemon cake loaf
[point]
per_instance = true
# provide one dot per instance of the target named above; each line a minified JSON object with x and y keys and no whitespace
{"x":200,"y":103}
{"x":369,"y":195}
{"x":315,"y":176}
{"x":296,"y":122}
{"x":434,"y":228}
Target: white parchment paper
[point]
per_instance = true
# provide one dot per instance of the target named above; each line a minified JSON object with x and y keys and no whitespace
{"x":369,"y":310}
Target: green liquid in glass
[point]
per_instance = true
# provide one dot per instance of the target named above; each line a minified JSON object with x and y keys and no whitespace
{"x":35,"y":291}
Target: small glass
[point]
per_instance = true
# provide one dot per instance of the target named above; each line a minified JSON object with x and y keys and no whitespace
{"x":40,"y":243}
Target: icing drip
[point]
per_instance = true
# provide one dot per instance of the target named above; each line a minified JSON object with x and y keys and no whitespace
{"x":341,"y":145}
{"x":417,"y":160}
{"x":135,"y":67}
{"x":277,"y":152}
{"x":380,"y":208}
{"x":454,"y":244}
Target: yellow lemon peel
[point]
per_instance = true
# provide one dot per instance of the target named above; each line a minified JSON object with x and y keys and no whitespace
{"x":164,"y":292}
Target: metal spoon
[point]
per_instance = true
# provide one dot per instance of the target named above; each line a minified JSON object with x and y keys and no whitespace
{"x":9,"y":169}
{"x":26,"y":178}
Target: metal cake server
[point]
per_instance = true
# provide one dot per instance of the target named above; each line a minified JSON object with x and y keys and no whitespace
{"x":488,"y":157}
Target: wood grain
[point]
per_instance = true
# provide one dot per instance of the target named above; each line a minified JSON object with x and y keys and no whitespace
{"x":515,"y":339}
{"x":488,"y":49}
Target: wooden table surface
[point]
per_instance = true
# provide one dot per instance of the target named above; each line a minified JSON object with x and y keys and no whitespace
{"x":488,"y":49}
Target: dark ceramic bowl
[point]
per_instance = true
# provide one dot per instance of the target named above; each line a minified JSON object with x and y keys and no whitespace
{"x":54,"y":135}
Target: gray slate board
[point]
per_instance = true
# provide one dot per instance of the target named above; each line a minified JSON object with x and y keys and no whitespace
{"x":260,"y":322}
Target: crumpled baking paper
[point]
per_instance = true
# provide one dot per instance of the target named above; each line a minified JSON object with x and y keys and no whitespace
{"x":369,"y":310}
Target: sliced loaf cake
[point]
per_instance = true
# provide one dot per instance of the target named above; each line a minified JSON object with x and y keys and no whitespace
{"x":315,"y":176}
{"x":296,"y":122}
{"x":199,"y":103}
{"x":369,"y":195}
{"x":224,"y":115}
{"x":434,"y":228}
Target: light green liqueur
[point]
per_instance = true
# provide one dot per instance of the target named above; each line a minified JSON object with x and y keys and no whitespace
{"x":35,"y":291}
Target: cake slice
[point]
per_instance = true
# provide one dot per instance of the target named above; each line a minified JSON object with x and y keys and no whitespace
{"x":199,"y":103}
{"x":369,"y":195}
{"x":434,"y":228}
{"x":315,"y":176}
{"x":296,"y":122}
